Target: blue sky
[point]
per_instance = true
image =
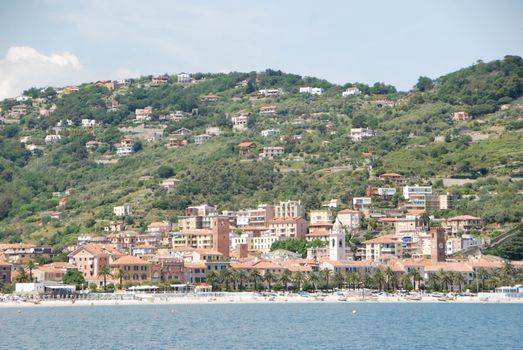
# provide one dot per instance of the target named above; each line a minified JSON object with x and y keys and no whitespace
{"x":54,"y":42}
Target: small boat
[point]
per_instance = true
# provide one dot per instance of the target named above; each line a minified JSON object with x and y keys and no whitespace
{"x":36,"y":302}
{"x":342,"y":299}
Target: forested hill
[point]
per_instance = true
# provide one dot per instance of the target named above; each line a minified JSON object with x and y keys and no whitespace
{"x":416,"y":136}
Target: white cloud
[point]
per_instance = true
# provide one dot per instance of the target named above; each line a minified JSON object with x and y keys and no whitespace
{"x":24,"y":67}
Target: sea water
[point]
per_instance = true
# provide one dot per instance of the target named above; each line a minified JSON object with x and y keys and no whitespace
{"x":265,"y":326}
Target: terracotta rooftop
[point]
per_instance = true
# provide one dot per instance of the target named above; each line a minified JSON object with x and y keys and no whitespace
{"x":348,"y":211}
{"x":286,"y":220}
{"x":194,"y":265}
{"x":383,"y":239}
{"x":463,"y":217}
{"x":247,"y":144}
{"x":263,"y":265}
{"x":207,"y":251}
{"x":130,"y":260}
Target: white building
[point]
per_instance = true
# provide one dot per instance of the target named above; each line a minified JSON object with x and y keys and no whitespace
{"x":333,"y":203}
{"x":320,"y":216}
{"x":200,"y":139}
{"x":87,"y":123}
{"x":21,"y":288}
{"x":386,"y":191}
{"x":270,"y":92}
{"x":361,"y":202}
{"x":143,"y":114}
{"x":242,"y":218}
{"x":350,"y":218}
{"x":289,"y":209}
{"x":263,"y":243}
{"x":184,"y":78}
{"x":351,"y":92}
{"x":270,"y":132}
{"x":124,"y":150}
{"x":123,"y":210}
{"x":408,"y":190}
{"x":240,"y":122}
{"x":52,"y":138}
{"x":337,"y":250}
{"x":271,"y":152}
{"x":358,"y":134}
{"x":311,"y":90}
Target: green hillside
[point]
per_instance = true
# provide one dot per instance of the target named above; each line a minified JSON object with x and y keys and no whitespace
{"x":415,"y":137}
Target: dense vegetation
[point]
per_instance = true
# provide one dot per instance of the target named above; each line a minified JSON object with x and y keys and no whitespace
{"x":320,"y":162}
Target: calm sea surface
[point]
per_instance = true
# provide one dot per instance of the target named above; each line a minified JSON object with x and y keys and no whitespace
{"x":265,"y":326}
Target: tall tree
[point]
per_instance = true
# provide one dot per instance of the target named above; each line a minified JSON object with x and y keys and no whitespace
{"x":298,"y":278}
{"x":255,"y":277}
{"x":269,"y":278}
{"x":285,"y":278}
{"x":378,"y":279}
{"x":30,"y":267}
{"x":104,"y":272}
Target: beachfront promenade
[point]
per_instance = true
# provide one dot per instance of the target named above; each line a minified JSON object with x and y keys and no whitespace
{"x":348,"y":296}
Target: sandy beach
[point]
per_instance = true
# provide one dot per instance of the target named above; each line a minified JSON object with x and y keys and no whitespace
{"x":158,"y":299}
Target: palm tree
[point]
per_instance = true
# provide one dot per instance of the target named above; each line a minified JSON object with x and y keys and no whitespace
{"x":104,"y":272}
{"x":120,"y":274}
{"x":268,"y":277}
{"x":285,"y":278}
{"x":255,"y":277}
{"x":460,"y":280}
{"x":416,"y":276}
{"x":355,"y":278}
{"x":445,"y":279}
{"x":483,"y":274}
{"x":378,"y":278}
{"x":326,"y":274}
{"x":226,"y":276}
{"x":22,"y":276}
{"x":30,"y":267}
{"x":367,"y":279}
{"x":389,"y":276}
{"x":242,"y":276}
{"x":211,"y":278}
{"x":448,"y":280}
{"x":312,"y":278}
{"x":234,"y":278}
{"x":405,"y":281}
{"x":339,"y":279}
{"x":434,"y":279}
{"x":298,"y":278}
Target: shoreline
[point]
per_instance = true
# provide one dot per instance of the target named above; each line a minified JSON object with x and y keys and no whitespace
{"x":247,"y":299}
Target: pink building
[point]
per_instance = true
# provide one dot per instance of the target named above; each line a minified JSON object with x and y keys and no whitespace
{"x":290,"y":227}
{"x":89,"y":259}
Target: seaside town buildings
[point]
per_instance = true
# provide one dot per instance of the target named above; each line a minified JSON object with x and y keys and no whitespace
{"x":206,"y":239}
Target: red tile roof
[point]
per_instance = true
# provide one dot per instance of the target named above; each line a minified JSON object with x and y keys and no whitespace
{"x":463,"y":217}
{"x":383,"y":239}
{"x":130,"y":260}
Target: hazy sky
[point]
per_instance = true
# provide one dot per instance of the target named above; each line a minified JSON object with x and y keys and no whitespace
{"x":56,"y":42}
